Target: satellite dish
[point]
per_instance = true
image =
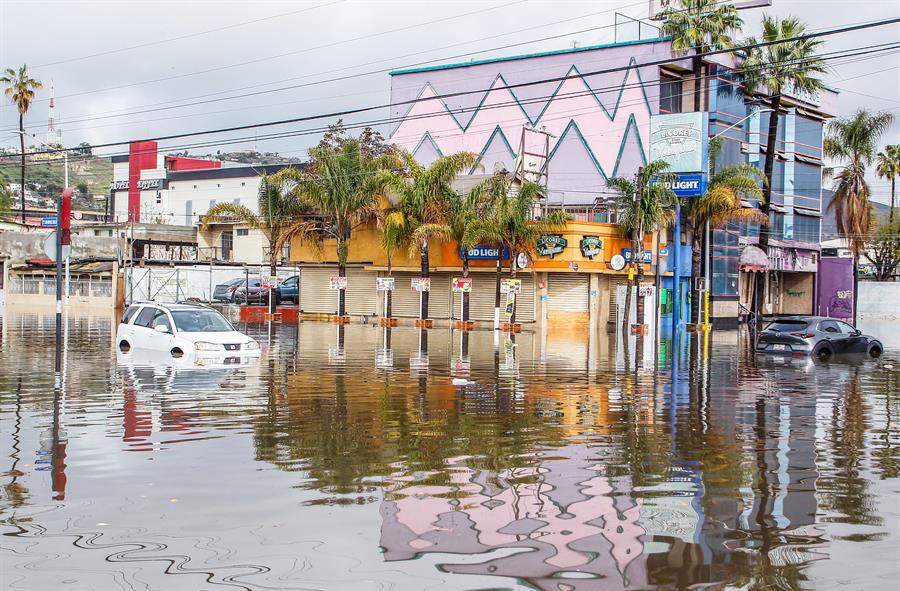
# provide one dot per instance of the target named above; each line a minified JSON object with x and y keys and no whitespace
{"x":617,"y":262}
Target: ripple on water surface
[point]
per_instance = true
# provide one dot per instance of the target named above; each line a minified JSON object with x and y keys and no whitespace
{"x":352,"y":458}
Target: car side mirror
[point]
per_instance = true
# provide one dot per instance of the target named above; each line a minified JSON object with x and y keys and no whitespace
{"x":857,"y":332}
{"x":161,"y":328}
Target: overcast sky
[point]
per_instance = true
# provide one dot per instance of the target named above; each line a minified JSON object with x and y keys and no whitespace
{"x":112,"y":58}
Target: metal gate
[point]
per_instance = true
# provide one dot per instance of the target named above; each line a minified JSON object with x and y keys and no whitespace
{"x":567,"y":292}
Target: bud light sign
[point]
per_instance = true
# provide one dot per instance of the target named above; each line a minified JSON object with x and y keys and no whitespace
{"x":688,"y":185}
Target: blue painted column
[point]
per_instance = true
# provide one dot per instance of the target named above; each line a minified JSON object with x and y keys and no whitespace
{"x":676,"y":276}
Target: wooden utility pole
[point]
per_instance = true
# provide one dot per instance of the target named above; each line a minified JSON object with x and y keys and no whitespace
{"x":637,"y":249}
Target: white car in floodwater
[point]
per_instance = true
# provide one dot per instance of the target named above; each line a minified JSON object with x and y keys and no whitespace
{"x":199,"y":333}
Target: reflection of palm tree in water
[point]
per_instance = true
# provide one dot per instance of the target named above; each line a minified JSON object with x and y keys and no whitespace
{"x":14,"y":491}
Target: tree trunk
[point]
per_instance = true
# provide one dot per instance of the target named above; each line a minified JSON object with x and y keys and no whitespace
{"x":273,"y":275}
{"x":627,"y":309}
{"x":696,"y":259}
{"x":424,"y":311}
{"x":891,"y":213}
{"x":497,"y":286}
{"x":342,"y":293}
{"x":512,"y":275}
{"x":465,"y":294}
{"x":764,"y":207}
{"x":390,"y":293}
{"x":22,"y":170}
{"x":855,"y":285}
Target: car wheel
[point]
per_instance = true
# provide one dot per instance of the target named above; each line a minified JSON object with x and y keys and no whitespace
{"x":823,"y":351}
{"x":875,"y":350}
{"x":124,"y":347}
{"x":176,"y":352}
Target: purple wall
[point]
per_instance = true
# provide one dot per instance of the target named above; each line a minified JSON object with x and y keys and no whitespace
{"x":601,"y":121}
{"x":834,"y":295}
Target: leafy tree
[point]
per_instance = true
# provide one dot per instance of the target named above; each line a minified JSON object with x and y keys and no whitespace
{"x":422,"y":195}
{"x":83,"y":188}
{"x":700,"y":25}
{"x":20,"y":89}
{"x":787,"y":65}
{"x":509,"y":223}
{"x":341,"y":188}
{"x":884,"y":251}
{"x":279,"y":217}
{"x":371,"y":142}
{"x":655,"y":198}
{"x":6,"y":199}
{"x":889,"y":168}
{"x":392,"y":237}
{"x":720,"y":204}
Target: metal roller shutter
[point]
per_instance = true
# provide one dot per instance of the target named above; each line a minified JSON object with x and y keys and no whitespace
{"x":439,"y":300}
{"x":614,"y":298}
{"x":567,"y":292}
{"x":482,"y":297}
{"x":361,"y":294}
{"x":405,"y":301}
{"x":315,"y":294}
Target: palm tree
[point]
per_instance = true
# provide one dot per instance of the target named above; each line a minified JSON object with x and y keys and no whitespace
{"x":889,"y":168}
{"x":6,"y":201}
{"x":853,"y":141}
{"x":700,"y":25}
{"x":341,"y":188}
{"x":643,"y":205}
{"x":422,"y":195}
{"x":279,"y":217}
{"x":509,"y":222}
{"x":20,"y":89}
{"x":391,"y":239}
{"x":720,"y":204}
{"x":787,"y":65}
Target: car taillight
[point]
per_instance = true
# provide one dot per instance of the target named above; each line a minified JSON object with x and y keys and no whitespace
{"x":230,"y":289}
{"x":803,"y":335}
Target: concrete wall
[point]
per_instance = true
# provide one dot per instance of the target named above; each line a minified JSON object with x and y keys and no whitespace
{"x":878,"y":300}
{"x":20,"y":246}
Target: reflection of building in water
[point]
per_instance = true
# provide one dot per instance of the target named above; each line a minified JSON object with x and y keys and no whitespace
{"x":565,"y":511}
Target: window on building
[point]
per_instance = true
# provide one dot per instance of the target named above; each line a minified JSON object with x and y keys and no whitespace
{"x":195,"y":186}
{"x":188,"y":212}
{"x":219,"y":185}
{"x":227,"y":245}
{"x":243,"y":184}
{"x":158,"y":197}
{"x":808,"y":185}
{"x":725,"y":257}
{"x":242,"y":231}
{"x":808,"y":136}
{"x":670,"y":92}
{"x":807,"y":228}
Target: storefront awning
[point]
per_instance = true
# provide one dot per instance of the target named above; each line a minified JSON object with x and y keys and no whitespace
{"x":753,"y":259}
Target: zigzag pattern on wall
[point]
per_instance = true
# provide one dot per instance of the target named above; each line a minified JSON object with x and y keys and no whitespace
{"x":430,"y":127}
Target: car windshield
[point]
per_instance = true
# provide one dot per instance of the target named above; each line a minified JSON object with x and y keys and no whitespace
{"x":787,"y":325}
{"x":200,"y":321}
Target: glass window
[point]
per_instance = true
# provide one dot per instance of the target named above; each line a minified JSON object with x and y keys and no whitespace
{"x":200,"y":321}
{"x":829,"y":326}
{"x":807,"y":228}
{"x":808,"y":136}
{"x":242,"y":232}
{"x":145,"y":318}
{"x":131,"y":311}
{"x":670,"y":90}
{"x":846,"y":328}
{"x":787,"y":326}
{"x":808,"y":185}
{"x":161,"y":318}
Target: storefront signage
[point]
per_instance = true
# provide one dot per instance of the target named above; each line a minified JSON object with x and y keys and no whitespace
{"x":462,"y":284}
{"x":522,"y":260}
{"x":688,"y":185}
{"x":591,"y":246}
{"x":483,"y":253}
{"x":617,"y":262}
{"x":384,"y":284}
{"x":337,"y":283}
{"x":681,"y":140}
{"x":551,"y":244}
{"x":511,"y":286}
{"x":49,"y":222}
{"x":648,"y":255}
{"x":421,"y":284}
{"x":143,"y":185}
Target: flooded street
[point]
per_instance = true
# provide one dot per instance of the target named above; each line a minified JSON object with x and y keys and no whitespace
{"x":544,"y":462}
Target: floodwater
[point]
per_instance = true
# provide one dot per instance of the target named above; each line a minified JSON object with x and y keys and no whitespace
{"x":548,"y":462}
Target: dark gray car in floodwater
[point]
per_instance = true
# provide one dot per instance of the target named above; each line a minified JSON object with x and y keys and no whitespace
{"x":815,"y":335}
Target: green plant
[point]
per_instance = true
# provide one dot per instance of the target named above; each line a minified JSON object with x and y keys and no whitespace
{"x":20,"y":89}
{"x":421,"y":196}
{"x":889,"y":168}
{"x":700,"y":25}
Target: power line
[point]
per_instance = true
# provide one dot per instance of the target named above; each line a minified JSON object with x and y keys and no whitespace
{"x":509,"y":86}
{"x":188,"y":36}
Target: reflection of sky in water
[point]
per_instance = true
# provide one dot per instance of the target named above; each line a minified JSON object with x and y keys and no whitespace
{"x":332,"y":464}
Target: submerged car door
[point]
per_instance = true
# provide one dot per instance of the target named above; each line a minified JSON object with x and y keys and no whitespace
{"x":854,"y":342}
{"x":833,"y":335}
{"x":143,"y":327}
{"x":161,"y":340}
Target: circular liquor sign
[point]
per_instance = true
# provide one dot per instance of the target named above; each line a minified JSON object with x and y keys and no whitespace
{"x":617,"y":262}
{"x":522,"y":260}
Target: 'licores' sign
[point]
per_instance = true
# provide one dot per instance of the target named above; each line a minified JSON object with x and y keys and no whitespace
{"x":591,"y":246}
{"x":551,"y":244}
{"x":681,"y":140}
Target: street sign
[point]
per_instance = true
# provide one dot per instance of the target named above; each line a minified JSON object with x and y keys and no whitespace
{"x":337,"y":283}
{"x":49,"y":222}
{"x":510,"y":304}
{"x":700,"y":283}
{"x":648,"y":255}
{"x":384,"y":284}
{"x":50,"y":247}
{"x":645,"y":289}
{"x":462,"y":284}
{"x":511,"y":286}
{"x":421,"y":284}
